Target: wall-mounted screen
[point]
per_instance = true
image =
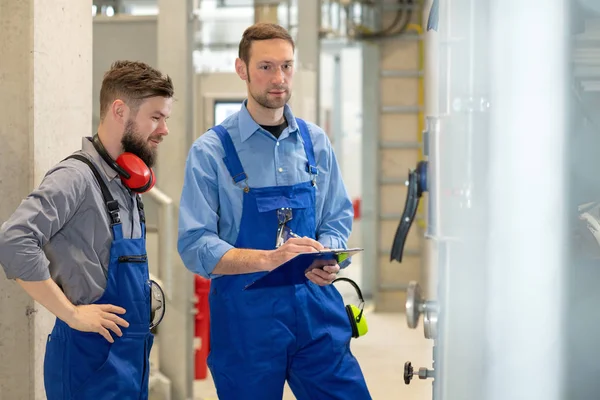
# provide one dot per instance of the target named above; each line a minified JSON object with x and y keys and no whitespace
{"x":224,"y":108}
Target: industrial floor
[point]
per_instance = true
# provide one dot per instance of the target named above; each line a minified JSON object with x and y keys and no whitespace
{"x":382,"y":354}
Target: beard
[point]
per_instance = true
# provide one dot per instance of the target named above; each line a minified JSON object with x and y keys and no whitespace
{"x":133,"y":143}
{"x":274,"y":102}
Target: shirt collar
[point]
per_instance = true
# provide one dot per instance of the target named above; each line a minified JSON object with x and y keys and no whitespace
{"x":247,"y":126}
{"x":88,"y":147}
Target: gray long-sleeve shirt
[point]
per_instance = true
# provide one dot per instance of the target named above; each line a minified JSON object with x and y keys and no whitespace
{"x":62,"y":230}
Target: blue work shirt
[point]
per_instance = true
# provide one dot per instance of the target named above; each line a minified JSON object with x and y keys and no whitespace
{"x":210,"y":208}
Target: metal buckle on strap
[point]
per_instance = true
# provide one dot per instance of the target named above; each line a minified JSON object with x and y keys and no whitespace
{"x":113,"y":210}
{"x":314,"y":172}
{"x":246,"y":187}
{"x":240,"y":174}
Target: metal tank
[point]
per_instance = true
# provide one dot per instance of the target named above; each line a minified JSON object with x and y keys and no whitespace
{"x":503,"y":204}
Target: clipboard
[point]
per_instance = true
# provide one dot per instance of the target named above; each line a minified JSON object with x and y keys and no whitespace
{"x":293,"y":271}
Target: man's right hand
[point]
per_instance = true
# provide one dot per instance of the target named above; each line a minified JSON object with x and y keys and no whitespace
{"x":85,"y":318}
{"x":245,"y":261}
{"x":291,"y":248}
{"x":98,"y":318}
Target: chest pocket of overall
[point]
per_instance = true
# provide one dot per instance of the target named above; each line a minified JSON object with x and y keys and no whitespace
{"x":269,"y":202}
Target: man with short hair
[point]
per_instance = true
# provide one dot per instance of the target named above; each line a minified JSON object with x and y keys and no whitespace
{"x":240,"y":176}
{"x":77,"y":245}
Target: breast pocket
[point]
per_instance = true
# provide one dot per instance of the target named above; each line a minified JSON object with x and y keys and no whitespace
{"x":293,"y":199}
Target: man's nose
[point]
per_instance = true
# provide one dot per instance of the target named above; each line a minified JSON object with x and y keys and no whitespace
{"x":279,"y":77}
{"x":163,"y":129}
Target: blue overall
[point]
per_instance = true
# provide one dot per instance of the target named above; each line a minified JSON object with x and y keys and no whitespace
{"x":261,"y":338}
{"x":84,"y":365}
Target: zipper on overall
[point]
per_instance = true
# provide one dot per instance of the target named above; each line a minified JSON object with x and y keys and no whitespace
{"x":139,"y":259}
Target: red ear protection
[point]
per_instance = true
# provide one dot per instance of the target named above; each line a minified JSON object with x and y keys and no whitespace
{"x":134,"y":172}
{"x":139,"y":177}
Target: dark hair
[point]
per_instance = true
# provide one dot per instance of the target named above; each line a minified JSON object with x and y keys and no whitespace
{"x":261,"y":31}
{"x":132,"y":82}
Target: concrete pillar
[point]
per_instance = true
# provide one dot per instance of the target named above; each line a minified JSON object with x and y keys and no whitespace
{"x":266,"y":11}
{"x":305,"y":98}
{"x":371,"y":99}
{"x":308,"y":49}
{"x":307,"y":38}
{"x":46,"y":97}
{"x":174,"y":38}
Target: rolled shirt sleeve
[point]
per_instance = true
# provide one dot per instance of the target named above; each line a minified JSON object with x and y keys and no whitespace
{"x":336,"y":220}
{"x":199,"y":244}
{"x":36,"y":220}
{"x":338,"y":213}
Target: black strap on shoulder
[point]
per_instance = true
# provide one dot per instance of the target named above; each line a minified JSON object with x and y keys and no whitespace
{"x":140,"y":205}
{"x":111,"y":204}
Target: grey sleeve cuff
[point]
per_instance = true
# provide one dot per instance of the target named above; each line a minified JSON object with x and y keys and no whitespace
{"x":20,"y":260}
{"x":38,"y":273}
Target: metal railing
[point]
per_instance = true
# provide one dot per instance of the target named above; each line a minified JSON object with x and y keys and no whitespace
{"x":166,"y":238}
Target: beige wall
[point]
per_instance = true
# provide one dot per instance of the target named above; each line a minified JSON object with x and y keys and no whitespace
{"x":399,"y":137}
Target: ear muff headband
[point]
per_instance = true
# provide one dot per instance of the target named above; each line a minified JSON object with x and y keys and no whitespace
{"x":350,"y":281}
{"x":106,"y":157}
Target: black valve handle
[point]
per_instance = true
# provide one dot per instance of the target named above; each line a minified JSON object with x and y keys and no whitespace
{"x":417,"y":184}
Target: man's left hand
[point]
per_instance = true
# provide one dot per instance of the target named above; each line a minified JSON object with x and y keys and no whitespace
{"x":325,"y":276}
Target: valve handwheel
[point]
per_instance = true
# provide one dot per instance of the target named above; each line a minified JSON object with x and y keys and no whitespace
{"x":408,"y":372}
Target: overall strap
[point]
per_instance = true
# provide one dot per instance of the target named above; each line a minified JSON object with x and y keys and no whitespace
{"x":111,"y":204}
{"x":231,"y":159}
{"x":140,"y":205}
{"x":311,"y":165}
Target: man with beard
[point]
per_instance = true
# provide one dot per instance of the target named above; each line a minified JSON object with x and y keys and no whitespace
{"x":258,"y":168}
{"x":76,"y":244}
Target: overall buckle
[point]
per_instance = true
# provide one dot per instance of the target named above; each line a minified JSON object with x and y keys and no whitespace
{"x":113,"y":210}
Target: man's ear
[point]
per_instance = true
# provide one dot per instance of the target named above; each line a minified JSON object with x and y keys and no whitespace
{"x":120,"y":111}
{"x":241,"y":69}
